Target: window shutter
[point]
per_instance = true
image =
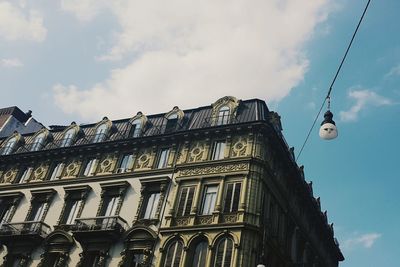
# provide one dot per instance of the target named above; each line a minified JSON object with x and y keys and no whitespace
{"x":182,"y":200}
{"x":178,"y":254}
{"x":236,"y":197}
{"x":189,"y":201}
{"x":228,"y":253}
{"x":228,"y":198}
{"x":220,"y":253}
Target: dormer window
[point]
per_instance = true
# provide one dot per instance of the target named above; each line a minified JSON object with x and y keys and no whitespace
{"x":223,"y":115}
{"x":101,"y":133}
{"x":9,"y":146}
{"x":38,"y":142}
{"x":136,"y":130}
{"x":172,"y":122}
{"x":68,"y":137}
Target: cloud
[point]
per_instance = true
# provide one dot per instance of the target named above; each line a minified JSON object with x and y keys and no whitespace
{"x":364,"y":240}
{"x":11,"y":62}
{"x":395,"y":71}
{"x":16,"y":23}
{"x":363,"y":99}
{"x":190,"y":54}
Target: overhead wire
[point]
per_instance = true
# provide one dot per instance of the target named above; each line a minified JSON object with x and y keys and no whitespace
{"x":334,"y":80}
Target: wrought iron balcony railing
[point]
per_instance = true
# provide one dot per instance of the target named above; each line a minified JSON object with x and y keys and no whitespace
{"x":219,"y":121}
{"x":25,"y":228}
{"x":103,"y":223}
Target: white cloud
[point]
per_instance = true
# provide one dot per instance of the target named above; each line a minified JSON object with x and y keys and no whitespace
{"x":364,"y":240}
{"x":395,"y":71}
{"x":363,"y":99}
{"x":194,"y":53}
{"x":11,"y":62}
{"x":17,"y":23}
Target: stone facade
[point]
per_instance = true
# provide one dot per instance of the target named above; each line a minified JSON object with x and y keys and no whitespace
{"x":212,"y":186}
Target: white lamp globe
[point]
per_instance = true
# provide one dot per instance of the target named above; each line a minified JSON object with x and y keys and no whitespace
{"x":328,"y":130}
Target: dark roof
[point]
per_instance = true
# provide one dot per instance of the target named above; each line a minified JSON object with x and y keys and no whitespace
{"x":15,"y":112}
{"x":248,"y":111}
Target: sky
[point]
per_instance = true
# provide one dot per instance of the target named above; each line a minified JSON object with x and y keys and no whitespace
{"x":81,"y":60}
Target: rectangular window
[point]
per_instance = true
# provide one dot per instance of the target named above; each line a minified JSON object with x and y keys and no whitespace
{"x":25,"y":175}
{"x":232,"y":197}
{"x":136,"y":129}
{"x":209,"y":199}
{"x":57,"y":171}
{"x":218,"y":150}
{"x":110,"y":206}
{"x":125,"y":164}
{"x":185,"y":201}
{"x":90,"y":167}
{"x":5,"y":212}
{"x":71,"y":211}
{"x":151,"y":205}
{"x":38,"y":209}
{"x":163,"y":158}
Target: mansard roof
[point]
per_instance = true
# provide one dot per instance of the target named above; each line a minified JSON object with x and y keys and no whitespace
{"x":251,"y":110}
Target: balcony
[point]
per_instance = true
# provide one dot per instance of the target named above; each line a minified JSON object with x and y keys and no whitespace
{"x":104,"y":227}
{"x":218,"y":121}
{"x":30,"y":231}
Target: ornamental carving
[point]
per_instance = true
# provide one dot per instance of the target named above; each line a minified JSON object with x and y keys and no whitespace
{"x":197,"y":152}
{"x":107,"y":165}
{"x":239,"y":147}
{"x":72,"y":169}
{"x":143,"y":161}
{"x":39,"y":173}
{"x":10,"y":176}
{"x":214,"y":169}
{"x":182,"y":221}
{"x":230,"y":218}
{"x":207,"y":219}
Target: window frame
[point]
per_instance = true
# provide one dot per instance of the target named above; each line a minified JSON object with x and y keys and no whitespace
{"x":90,"y":167}
{"x":162,"y":162}
{"x":128,"y":165}
{"x":224,"y":240}
{"x":186,"y":209}
{"x":68,"y":137}
{"x":151,"y":207}
{"x":9,"y":146}
{"x":224,"y":118}
{"x":101,"y":132}
{"x":178,"y":248}
{"x":233,"y":207}
{"x":212,"y":201}
{"x":56,"y":171}
{"x":38,"y":142}
{"x":218,"y":150}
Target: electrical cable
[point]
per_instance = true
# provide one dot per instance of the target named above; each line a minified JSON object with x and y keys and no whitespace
{"x":334,"y":80}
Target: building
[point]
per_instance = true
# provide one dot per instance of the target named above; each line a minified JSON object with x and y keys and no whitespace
{"x":210,"y":186}
{"x":13,"y":119}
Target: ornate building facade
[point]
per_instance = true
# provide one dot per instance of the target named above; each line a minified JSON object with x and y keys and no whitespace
{"x":210,"y":186}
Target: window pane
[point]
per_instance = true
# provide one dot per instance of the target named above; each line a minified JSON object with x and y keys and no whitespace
{"x":8,"y":148}
{"x":73,"y":211}
{"x":100,"y":133}
{"x":56,"y":174}
{"x":223,"y":257}
{"x":111,"y":207}
{"x":90,"y":167}
{"x":174,"y":254}
{"x":209,"y":199}
{"x":232,"y":197}
{"x":136,"y":128}
{"x":126,"y":163}
{"x":223,"y":116}
{"x":200,"y":254}
{"x":218,"y":150}
{"x":25,"y":175}
{"x":152,"y":205}
{"x":163,"y":158}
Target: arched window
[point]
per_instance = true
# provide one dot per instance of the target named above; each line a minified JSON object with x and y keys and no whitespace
{"x":68,"y":138}
{"x":101,"y":133}
{"x":9,"y":146}
{"x":38,"y":142}
{"x":200,"y":254}
{"x":223,"y":115}
{"x":223,"y":254}
{"x":174,"y":254}
{"x":136,"y":130}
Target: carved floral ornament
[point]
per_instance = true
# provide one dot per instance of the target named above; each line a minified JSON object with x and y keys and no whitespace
{"x":214,"y":169}
{"x":176,"y":110}
{"x":227,"y":101}
{"x":139,"y":117}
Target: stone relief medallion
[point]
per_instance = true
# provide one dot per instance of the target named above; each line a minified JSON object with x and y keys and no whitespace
{"x":196,"y":154}
{"x":9,"y":176}
{"x":143,"y":161}
{"x":39,"y":173}
{"x":239,"y":148}
{"x":72,"y":169}
{"x":106,"y":165}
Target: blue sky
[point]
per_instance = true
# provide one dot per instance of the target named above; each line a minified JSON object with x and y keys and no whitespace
{"x":70,"y":60}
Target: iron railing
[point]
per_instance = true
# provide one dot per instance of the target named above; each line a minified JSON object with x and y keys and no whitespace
{"x":103,"y":223}
{"x":219,"y":121}
{"x":25,"y":228}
